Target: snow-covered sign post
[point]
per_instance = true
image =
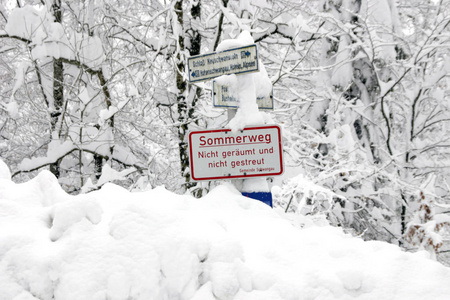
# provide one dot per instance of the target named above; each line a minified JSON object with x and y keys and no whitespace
{"x":248,"y":149}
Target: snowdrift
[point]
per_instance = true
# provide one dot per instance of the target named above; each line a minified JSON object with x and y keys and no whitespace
{"x":113,"y":244}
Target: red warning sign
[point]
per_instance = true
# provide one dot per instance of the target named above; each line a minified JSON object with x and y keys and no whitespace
{"x":222,"y":154}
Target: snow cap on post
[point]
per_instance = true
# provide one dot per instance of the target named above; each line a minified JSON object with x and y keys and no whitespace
{"x":246,"y":86}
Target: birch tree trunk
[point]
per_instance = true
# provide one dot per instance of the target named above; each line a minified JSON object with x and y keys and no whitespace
{"x":58,"y":91}
{"x":187,"y":94}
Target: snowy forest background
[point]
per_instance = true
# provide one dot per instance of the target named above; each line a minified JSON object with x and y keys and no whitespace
{"x":97,"y":91}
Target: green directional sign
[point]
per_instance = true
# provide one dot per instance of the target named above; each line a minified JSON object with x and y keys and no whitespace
{"x":232,"y":61}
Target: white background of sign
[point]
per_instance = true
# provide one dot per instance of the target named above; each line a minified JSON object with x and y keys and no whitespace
{"x":224,"y":97}
{"x":241,"y":157}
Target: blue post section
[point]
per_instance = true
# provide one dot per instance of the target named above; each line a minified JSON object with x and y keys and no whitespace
{"x":265,"y":197}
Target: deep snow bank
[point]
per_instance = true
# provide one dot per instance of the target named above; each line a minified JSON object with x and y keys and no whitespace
{"x":112,"y":244}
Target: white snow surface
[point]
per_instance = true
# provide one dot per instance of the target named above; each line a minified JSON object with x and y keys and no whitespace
{"x":25,"y":22}
{"x":49,"y":39}
{"x":5,"y":173}
{"x":114,"y":244}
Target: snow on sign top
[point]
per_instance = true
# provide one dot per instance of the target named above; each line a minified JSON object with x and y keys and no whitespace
{"x":232,"y":61}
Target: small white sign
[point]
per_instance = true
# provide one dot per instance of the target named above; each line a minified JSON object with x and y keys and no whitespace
{"x":232,"y":61}
{"x":222,"y":154}
{"x":223,"y":96}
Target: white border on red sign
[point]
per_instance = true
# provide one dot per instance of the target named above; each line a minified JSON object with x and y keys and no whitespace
{"x":237,"y":176}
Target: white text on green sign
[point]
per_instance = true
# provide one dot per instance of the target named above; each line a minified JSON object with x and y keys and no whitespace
{"x":232,"y":61}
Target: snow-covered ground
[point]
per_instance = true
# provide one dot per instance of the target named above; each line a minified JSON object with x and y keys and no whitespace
{"x":113,"y":244}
